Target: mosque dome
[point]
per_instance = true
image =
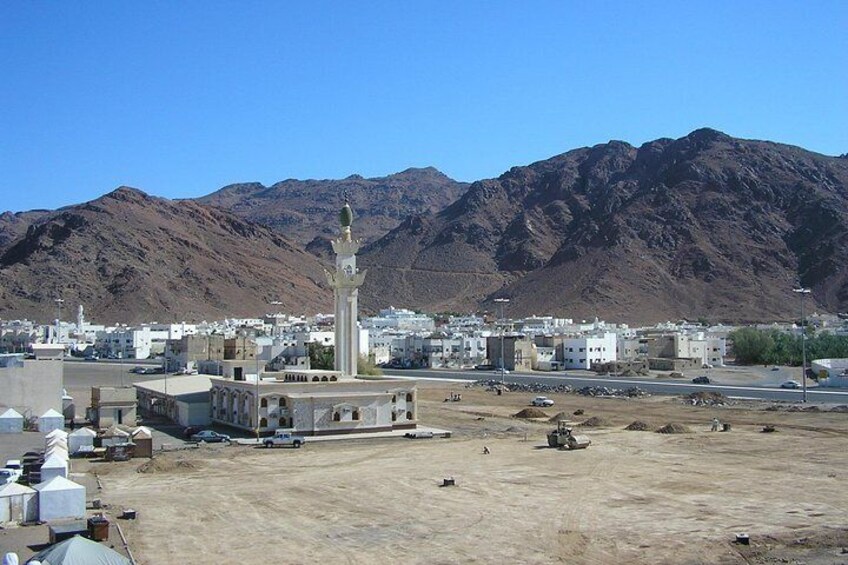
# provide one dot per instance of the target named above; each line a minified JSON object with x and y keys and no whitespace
{"x":346,"y":216}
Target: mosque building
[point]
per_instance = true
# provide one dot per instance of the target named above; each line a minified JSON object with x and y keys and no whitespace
{"x":317,"y":402}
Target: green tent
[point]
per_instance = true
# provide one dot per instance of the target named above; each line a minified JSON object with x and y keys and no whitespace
{"x":79,"y":551}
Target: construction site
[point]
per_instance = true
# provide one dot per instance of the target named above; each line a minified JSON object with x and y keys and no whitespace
{"x":770,"y":488}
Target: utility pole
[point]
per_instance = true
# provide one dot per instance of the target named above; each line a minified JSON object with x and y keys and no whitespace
{"x":501,"y":302}
{"x":803,"y":291}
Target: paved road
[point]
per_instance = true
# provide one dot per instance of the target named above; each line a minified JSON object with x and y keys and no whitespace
{"x":579,"y":379}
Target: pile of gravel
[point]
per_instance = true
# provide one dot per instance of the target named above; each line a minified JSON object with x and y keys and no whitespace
{"x":595,"y":422}
{"x":529,"y":413}
{"x":840,"y":408}
{"x":638,"y":426}
{"x":557,"y":417}
{"x":673,"y":428}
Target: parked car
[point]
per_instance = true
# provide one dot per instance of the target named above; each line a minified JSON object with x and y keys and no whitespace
{"x":138,"y":370}
{"x":7,"y":476}
{"x":484,"y":367}
{"x":775,"y":368}
{"x":702,"y":380}
{"x":284,"y":438}
{"x":209,"y":436}
{"x":12,"y":471}
{"x":542,"y":401}
{"x":93,"y":357}
{"x":790,"y":384}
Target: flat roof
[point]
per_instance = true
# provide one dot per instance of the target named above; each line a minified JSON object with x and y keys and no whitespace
{"x":337,"y":394}
{"x":177,"y":386}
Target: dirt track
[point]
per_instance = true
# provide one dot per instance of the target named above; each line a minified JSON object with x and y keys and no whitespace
{"x":632,"y":497}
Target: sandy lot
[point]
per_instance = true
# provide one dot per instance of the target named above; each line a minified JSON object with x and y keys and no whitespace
{"x":632,"y":497}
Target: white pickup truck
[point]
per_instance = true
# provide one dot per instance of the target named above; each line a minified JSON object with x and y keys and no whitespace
{"x":11,"y":472}
{"x":284,"y":438}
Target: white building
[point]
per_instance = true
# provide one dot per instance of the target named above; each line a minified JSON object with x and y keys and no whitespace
{"x":32,"y":386}
{"x":125,"y":343}
{"x":400,"y":319}
{"x":581,"y":352}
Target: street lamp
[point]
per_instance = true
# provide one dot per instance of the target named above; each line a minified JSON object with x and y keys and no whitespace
{"x":501,"y":302}
{"x":803,"y":291}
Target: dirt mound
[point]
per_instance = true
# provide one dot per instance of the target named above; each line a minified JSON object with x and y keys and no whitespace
{"x":530,"y":413}
{"x":556,"y":418}
{"x":595,"y":422}
{"x":163,"y":465}
{"x":673,"y":428}
{"x":707,"y":398}
{"x":840,"y":408}
{"x":638,"y":426}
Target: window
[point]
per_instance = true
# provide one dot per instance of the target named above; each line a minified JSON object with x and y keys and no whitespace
{"x":409,"y":397}
{"x":409,"y":415}
{"x":315,"y":379}
{"x":263,"y":423}
{"x":356,"y":415}
{"x":263,"y":403}
{"x":282,"y":403}
{"x":337,"y":417}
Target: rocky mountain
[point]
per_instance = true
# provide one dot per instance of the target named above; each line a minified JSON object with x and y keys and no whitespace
{"x":14,"y":225}
{"x":306,"y":210}
{"x":703,"y":226}
{"x":129,"y":257}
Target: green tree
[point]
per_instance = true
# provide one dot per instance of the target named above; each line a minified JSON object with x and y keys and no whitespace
{"x":366,"y":366}
{"x":322,"y":356}
{"x":751,"y":346}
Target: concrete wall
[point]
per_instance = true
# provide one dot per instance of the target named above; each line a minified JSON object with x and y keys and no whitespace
{"x":32,"y":389}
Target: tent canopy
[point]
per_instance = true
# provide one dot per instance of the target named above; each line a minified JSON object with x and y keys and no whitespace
{"x":85,"y":432}
{"x":11,"y":413}
{"x":52,"y":414}
{"x":80,"y":551}
{"x":14,"y":489}
{"x":58,"y":483}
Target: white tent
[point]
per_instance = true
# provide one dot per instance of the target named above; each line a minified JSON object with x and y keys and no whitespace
{"x":18,"y":503}
{"x":51,"y":420}
{"x":79,"y":438}
{"x":60,"y":498}
{"x":54,"y":434}
{"x":54,"y":466}
{"x":79,"y":551}
{"x":58,"y":450}
{"x":114,"y":435}
{"x":56,"y":442}
{"x":11,"y":422}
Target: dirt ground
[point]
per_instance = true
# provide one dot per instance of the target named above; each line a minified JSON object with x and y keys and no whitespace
{"x":631,"y":497}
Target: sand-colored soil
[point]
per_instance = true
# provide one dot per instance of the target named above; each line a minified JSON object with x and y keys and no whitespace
{"x":632,"y":497}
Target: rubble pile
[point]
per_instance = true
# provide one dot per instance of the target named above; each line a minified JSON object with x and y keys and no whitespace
{"x":638,"y":426}
{"x":632,"y":392}
{"x":673,"y":428}
{"x":492,"y":385}
{"x":704,"y":398}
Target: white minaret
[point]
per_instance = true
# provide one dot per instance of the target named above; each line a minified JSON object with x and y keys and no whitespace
{"x":346,"y":281}
{"x":80,"y":319}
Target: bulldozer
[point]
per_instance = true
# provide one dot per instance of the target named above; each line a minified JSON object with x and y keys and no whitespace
{"x":563,"y":438}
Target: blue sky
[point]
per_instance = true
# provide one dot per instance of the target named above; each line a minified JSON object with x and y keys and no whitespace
{"x":181,"y":98}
